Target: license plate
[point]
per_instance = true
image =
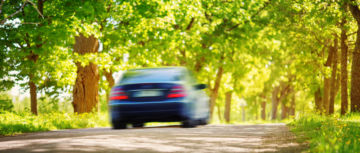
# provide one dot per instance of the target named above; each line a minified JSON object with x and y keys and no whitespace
{"x":147,"y":93}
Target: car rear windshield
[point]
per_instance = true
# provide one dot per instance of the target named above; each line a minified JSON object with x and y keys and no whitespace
{"x":153,"y":75}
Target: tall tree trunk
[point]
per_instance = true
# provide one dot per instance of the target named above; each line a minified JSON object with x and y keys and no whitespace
{"x":274,"y":102}
{"x":256,"y":110}
{"x":318,"y":100}
{"x":327,"y":84}
{"x":263,"y":106}
{"x":333,"y":77}
{"x":228,"y":106}
{"x":182,"y":58}
{"x":292,"y":106}
{"x":326,"y":98}
{"x":33,"y":97}
{"x":344,"y":71}
{"x":86,"y":88}
{"x":111,"y":81}
{"x":355,"y":68}
{"x":284,"y":110}
{"x":219,"y":112}
{"x":215,"y":90}
{"x":34,"y":57}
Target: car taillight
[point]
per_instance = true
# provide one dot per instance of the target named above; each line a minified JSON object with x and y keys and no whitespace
{"x":177,"y":91}
{"x":117,"y":93}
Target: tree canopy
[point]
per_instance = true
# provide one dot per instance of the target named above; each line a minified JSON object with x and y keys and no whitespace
{"x":259,"y":50}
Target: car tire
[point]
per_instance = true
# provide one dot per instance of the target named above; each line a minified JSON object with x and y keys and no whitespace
{"x":138,"y":125}
{"x":189,"y":124}
{"x":117,"y":126}
{"x":203,"y":121}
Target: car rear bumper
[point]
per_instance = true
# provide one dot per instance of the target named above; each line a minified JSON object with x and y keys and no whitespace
{"x":168,"y":111}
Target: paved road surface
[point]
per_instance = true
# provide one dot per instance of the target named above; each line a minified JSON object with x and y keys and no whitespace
{"x":210,"y":138}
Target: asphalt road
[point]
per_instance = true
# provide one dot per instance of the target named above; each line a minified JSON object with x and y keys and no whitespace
{"x":210,"y":138}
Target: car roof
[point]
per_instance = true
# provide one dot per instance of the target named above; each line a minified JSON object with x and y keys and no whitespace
{"x":160,"y":67}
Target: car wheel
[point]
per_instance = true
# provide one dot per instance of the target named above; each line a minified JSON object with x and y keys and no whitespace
{"x":119,"y":126}
{"x":189,"y":124}
{"x":203,"y":121}
{"x":136,"y":125}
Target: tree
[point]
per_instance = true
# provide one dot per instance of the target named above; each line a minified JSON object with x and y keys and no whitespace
{"x":344,"y":71}
{"x":86,"y":88}
{"x":33,"y":40}
{"x":355,"y":68}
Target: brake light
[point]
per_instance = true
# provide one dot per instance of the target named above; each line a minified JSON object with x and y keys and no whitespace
{"x":177,"y":91}
{"x":118,"y":93}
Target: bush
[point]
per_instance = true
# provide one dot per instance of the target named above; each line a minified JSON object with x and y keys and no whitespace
{"x":12,"y":123}
{"x":6,"y":105}
{"x":329,"y":134}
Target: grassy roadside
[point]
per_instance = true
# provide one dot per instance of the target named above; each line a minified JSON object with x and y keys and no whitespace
{"x":328,"y":134}
{"x":14,"y":123}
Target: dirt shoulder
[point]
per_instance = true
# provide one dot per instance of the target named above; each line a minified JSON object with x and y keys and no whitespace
{"x":210,"y":138}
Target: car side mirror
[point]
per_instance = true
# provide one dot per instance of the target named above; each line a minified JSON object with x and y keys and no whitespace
{"x":200,"y":86}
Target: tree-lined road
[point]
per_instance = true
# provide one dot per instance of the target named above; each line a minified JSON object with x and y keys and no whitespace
{"x":210,"y":138}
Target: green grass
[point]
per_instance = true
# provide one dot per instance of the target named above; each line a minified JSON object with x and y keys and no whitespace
{"x":14,"y":123}
{"x":328,"y":134}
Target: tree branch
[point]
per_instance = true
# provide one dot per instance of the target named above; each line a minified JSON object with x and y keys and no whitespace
{"x":21,"y":46}
{"x":190,"y":24}
{"x":2,"y":2}
{"x":354,"y":9}
{"x":352,"y":33}
{"x":208,"y":17}
{"x":21,"y":9}
{"x":3,"y":21}
{"x":8,"y":45}
{"x":36,"y":8}
{"x":317,"y":38}
{"x":25,"y":23}
{"x":252,"y":16}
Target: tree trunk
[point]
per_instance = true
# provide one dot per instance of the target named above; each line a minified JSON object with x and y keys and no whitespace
{"x":355,"y":76}
{"x":228,"y":106}
{"x":318,"y":100}
{"x":219,"y":112}
{"x":111,"y":81}
{"x":182,"y":58}
{"x":33,"y":97}
{"x":284,"y":111}
{"x":263,"y":106}
{"x":256,"y":110}
{"x":292,"y":106}
{"x":34,"y":57}
{"x":344,"y":71}
{"x":326,"y":98}
{"x":86,"y":88}
{"x":274,"y":102}
{"x":215,"y":90}
{"x":355,"y":68}
{"x":200,"y":59}
{"x":333,"y":77}
{"x":327,"y":84}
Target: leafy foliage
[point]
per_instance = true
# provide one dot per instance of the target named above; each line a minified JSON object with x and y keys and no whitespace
{"x":6,"y":105}
{"x":6,"y":102}
{"x":254,"y":45}
{"x":12,"y":123}
{"x":328,"y":134}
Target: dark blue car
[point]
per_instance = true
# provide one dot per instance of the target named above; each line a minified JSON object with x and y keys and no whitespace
{"x":160,"y":94}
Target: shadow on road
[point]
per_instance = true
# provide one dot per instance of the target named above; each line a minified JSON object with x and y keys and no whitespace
{"x":211,"y":138}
